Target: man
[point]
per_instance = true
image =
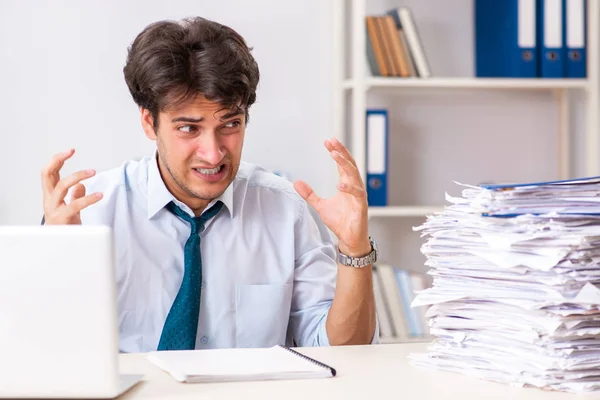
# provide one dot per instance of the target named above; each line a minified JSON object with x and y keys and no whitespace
{"x":211,"y":251}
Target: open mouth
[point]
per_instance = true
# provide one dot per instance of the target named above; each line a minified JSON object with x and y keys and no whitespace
{"x":211,"y":174}
{"x":211,"y":171}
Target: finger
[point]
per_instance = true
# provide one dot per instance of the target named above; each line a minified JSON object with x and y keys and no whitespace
{"x":78,"y":192}
{"x":329,"y":146}
{"x":63,"y":186}
{"x":331,"y":149}
{"x":306,"y":192}
{"x":51,"y":172}
{"x":79,"y":204}
{"x":348,"y":170}
{"x":337,"y":145}
{"x":356,"y":191}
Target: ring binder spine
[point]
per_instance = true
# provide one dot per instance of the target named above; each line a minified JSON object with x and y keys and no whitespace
{"x":312,"y":360}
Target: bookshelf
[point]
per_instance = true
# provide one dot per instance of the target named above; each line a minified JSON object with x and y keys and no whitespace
{"x":466,"y":83}
{"x":354,"y":88}
{"x":351,"y":14}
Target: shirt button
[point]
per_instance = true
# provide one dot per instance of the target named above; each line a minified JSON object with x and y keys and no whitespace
{"x":203,"y":285}
{"x":203,"y":340}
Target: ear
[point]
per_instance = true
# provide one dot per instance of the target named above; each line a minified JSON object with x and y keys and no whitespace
{"x":148,"y":124}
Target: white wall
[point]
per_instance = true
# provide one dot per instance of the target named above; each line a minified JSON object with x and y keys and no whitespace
{"x":62,"y":86}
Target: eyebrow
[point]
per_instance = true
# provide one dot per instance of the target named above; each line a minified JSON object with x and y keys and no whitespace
{"x":232,"y":114}
{"x":187,"y":119}
{"x":196,"y":120}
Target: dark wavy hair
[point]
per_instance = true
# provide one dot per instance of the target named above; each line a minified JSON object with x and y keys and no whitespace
{"x":171,"y":62}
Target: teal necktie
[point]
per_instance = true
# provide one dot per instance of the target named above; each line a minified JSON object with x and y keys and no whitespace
{"x":181,"y":325}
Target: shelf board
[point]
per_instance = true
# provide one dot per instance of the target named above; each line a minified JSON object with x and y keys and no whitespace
{"x":403,"y":211}
{"x":470,"y":83}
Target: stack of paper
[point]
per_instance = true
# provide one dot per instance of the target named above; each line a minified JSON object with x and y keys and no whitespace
{"x":514,"y":296}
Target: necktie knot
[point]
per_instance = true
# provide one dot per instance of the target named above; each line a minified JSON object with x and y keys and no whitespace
{"x":196,"y":223}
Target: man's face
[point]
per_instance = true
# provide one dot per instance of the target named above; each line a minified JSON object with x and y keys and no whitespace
{"x":199,"y":151}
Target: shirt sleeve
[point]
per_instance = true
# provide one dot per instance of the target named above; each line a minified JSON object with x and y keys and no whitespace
{"x":314,"y":280}
{"x":323,"y":339}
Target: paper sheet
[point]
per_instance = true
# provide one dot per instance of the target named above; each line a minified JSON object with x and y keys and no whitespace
{"x":516,"y":284}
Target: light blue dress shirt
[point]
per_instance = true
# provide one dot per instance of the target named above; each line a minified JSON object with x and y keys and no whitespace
{"x":268,"y":261}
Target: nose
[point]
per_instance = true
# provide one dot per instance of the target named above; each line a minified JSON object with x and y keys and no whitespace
{"x":210,"y":149}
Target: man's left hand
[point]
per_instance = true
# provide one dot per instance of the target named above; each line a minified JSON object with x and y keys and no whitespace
{"x":346,"y":213}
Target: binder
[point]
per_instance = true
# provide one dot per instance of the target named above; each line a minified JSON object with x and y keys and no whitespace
{"x":393,"y":298}
{"x":377,"y":160}
{"x":406,"y":292}
{"x":405,"y":22}
{"x":506,"y":42}
{"x":552,"y":58}
{"x":387,"y":46}
{"x":397,"y":50}
{"x":386,"y":329}
{"x":370,"y":51}
{"x":575,"y":28}
{"x":375,"y":51}
{"x":406,"y":60}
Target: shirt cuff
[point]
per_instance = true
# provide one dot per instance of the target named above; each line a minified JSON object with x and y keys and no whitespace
{"x":323,"y":340}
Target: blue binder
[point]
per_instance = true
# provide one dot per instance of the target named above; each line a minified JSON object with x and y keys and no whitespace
{"x":506,"y":42}
{"x":551,"y":21}
{"x":377,"y":159}
{"x":575,"y":38}
{"x":403,"y":279}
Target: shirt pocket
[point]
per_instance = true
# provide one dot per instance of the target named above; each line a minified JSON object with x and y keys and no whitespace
{"x":262,"y":314}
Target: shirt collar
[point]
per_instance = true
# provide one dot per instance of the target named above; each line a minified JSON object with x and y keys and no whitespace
{"x":159,"y":196}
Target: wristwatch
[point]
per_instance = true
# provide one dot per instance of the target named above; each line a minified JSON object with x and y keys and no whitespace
{"x":359,"y":262}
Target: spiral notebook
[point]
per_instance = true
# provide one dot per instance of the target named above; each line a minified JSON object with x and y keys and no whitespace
{"x":228,"y":365}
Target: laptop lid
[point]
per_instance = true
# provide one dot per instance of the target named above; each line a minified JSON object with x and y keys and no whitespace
{"x":58,"y":312}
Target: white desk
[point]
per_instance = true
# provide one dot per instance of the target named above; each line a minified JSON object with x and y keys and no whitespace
{"x":363,"y":372}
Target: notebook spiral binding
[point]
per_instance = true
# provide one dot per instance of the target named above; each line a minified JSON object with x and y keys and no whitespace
{"x":312,"y":360}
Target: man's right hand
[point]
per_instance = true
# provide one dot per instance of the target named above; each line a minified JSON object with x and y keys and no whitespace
{"x":56,"y":210}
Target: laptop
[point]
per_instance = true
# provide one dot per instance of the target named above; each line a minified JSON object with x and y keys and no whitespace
{"x":58,"y":313}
